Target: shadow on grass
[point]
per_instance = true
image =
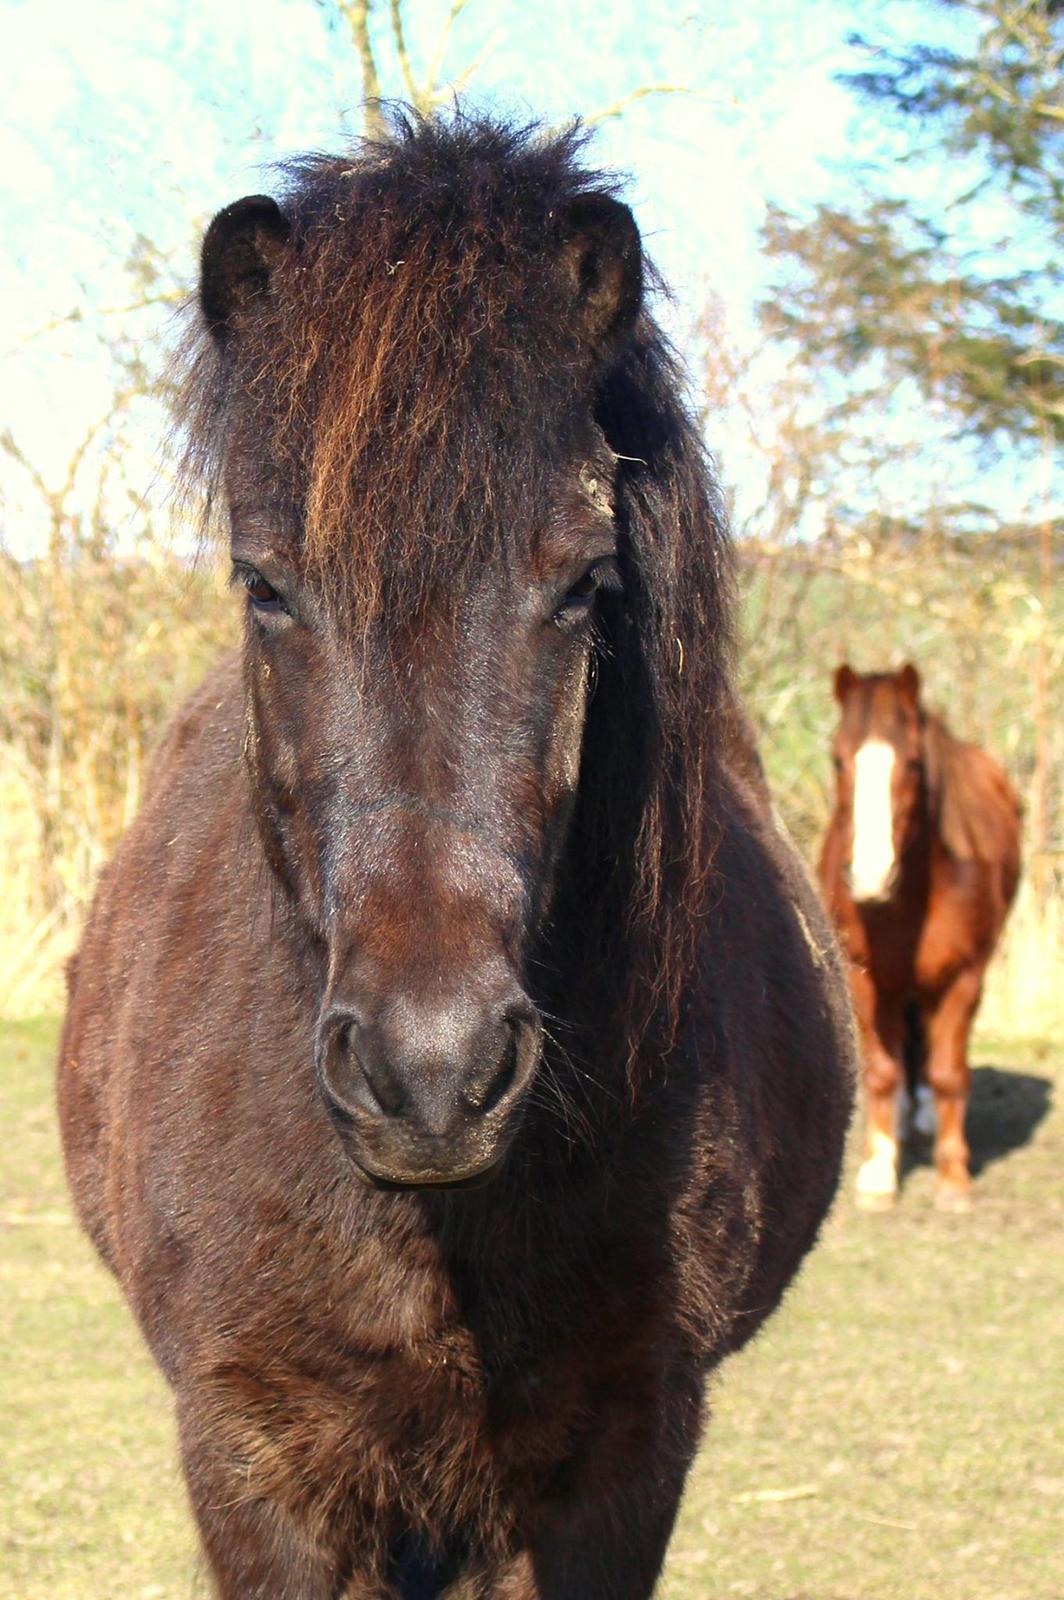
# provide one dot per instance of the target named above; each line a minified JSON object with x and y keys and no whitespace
{"x":1004,"y":1110}
{"x":1003,"y":1113}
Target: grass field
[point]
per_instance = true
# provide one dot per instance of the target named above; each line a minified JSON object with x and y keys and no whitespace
{"x":896,"y":1433}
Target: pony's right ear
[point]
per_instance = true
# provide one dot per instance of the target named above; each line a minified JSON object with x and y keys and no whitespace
{"x":845,"y":678}
{"x":240,"y":249}
{"x":603,"y":258}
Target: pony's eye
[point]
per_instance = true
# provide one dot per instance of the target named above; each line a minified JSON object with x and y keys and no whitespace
{"x":582,"y":590}
{"x":263,"y":595}
{"x":579,"y":598}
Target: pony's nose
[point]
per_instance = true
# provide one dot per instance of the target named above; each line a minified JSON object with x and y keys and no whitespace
{"x":435,"y":1067}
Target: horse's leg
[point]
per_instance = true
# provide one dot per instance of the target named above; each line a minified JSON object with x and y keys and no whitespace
{"x":611,"y":1552}
{"x":254,"y":1553}
{"x":604,"y":1537}
{"x":949,"y":1021}
{"x":918,"y":1101}
{"x":255,"y":1549}
{"x":881,"y":1024}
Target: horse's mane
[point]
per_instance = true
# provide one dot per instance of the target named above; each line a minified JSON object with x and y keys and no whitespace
{"x":413,"y":374}
{"x":974,"y":805}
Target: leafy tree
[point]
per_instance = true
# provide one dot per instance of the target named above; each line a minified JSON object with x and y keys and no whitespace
{"x":880,"y":295}
{"x":882,"y":292}
{"x":1000,"y":100}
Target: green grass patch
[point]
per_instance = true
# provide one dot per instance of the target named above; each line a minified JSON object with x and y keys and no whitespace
{"x":894,"y":1433}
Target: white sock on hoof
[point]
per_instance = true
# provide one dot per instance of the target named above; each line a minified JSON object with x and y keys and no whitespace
{"x":877,"y":1176}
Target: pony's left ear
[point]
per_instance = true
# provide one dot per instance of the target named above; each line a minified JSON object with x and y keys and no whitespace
{"x":240,"y":250}
{"x":908,"y":680}
{"x":603,"y":259}
{"x":843,"y":682}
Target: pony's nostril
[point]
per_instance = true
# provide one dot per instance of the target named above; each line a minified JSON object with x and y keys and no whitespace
{"x":506,"y":1074}
{"x":487,"y":1091}
{"x":348,"y":1083}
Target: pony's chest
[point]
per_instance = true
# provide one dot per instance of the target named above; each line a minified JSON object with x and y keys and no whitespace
{"x":384,"y":1362}
{"x":401,"y":1403}
{"x":398,"y":1327}
{"x":429,"y":1346}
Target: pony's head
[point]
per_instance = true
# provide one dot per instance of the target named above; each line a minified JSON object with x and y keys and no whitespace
{"x":414,"y":377}
{"x":879,"y":774}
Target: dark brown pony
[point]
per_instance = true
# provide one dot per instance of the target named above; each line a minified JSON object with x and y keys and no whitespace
{"x":918,"y":868}
{"x":457,"y":1062}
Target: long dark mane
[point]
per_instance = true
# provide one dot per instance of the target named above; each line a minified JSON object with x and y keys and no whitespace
{"x":414,"y":358}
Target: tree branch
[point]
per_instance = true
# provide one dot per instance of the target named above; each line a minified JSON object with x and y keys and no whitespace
{"x":356,"y":14}
{"x":399,"y":35}
{"x":616,"y":108}
{"x":435,"y":65}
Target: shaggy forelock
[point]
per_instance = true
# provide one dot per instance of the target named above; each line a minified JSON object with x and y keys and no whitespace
{"x":411,"y":380}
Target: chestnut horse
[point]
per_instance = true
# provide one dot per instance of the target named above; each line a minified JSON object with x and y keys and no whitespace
{"x":457,"y":1062}
{"x":918,"y":868}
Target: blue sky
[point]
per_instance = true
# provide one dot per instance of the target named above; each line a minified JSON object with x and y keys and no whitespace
{"x":141,"y":117}
{"x":148,"y":113}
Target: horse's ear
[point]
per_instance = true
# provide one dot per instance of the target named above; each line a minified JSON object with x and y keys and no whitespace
{"x":240,"y":249}
{"x":845,"y":678}
{"x":603,"y":259}
{"x":908,"y":680}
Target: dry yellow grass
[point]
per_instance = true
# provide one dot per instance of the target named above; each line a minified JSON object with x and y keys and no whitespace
{"x":1025,"y":984}
{"x":34,"y":942}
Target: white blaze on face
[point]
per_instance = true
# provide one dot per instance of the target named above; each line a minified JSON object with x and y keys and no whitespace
{"x":873,"y":820}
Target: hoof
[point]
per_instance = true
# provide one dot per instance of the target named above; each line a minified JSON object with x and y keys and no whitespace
{"x":877,"y":1179}
{"x":953,"y":1198}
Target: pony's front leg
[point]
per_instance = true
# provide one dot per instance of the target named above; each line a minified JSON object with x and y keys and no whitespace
{"x":255,"y":1548}
{"x":604,"y":1534}
{"x":949,"y":1021}
{"x":881,"y":1026}
{"x":614,"y":1553}
{"x":255,"y":1553}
